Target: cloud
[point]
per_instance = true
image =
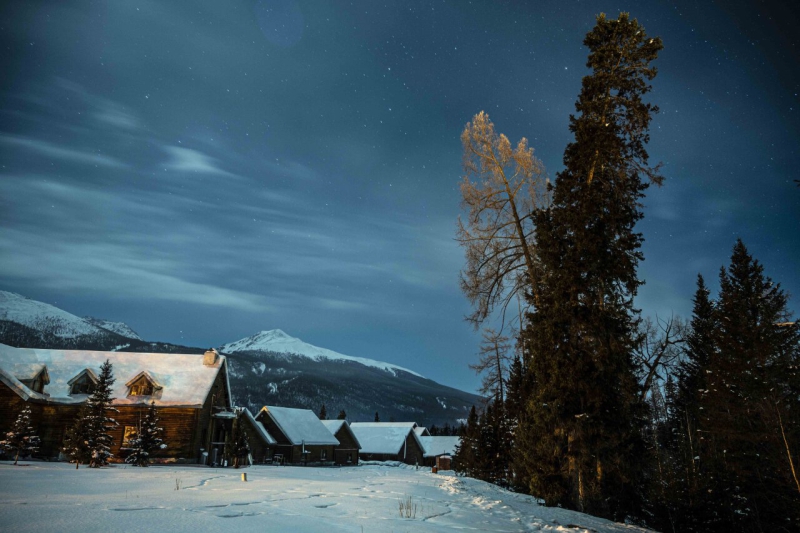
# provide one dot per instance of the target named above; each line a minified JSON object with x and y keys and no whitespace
{"x":190,"y":160}
{"x":57,"y":152}
{"x":116,"y":115}
{"x":117,"y":270}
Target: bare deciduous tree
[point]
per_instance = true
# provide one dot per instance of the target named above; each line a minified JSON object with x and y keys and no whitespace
{"x":493,"y":364}
{"x":501,"y":188}
{"x":659,"y":349}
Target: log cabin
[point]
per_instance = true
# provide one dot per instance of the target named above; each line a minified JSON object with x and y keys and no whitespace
{"x":262,"y":444}
{"x":346,"y":453}
{"x":389,"y":441}
{"x":190,"y":391}
{"x":301,"y":437}
{"x":439,"y":447}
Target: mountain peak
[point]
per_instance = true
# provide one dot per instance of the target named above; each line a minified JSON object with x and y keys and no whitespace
{"x":272,"y":334}
{"x":278,"y":341}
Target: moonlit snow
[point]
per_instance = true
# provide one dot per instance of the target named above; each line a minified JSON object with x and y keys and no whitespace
{"x":42,"y":497}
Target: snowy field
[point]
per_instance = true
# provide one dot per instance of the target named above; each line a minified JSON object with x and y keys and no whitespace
{"x":54,"y":497}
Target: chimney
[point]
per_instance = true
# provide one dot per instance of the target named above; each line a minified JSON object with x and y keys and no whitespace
{"x":211,"y":357}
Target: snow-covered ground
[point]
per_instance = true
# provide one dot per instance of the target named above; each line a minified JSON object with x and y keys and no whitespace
{"x":55,"y":497}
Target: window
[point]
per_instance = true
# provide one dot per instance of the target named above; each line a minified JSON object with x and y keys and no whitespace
{"x":324,"y":455}
{"x":143,"y":385}
{"x":83,"y":385}
{"x":141,"y":389}
{"x":130,"y":433}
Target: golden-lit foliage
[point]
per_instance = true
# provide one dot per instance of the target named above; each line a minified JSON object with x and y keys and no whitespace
{"x":501,"y":188}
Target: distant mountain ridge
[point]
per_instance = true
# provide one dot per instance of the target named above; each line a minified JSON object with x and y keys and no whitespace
{"x":120,"y":328}
{"x":268,"y":368}
{"x":277,"y":341}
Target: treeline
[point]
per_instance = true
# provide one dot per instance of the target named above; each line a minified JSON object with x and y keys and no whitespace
{"x":681,"y":427}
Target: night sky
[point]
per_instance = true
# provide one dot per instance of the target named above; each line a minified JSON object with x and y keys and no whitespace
{"x":203,"y":170}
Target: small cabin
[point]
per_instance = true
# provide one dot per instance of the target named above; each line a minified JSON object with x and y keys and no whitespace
{"x":301,"y":438}
{"x":438,"y":451}
{"x":346,"y":453}
{"x":262,"y":444}
{"x":388,"y":441}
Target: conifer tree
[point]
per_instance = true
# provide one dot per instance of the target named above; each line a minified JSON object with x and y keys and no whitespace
{"x":688,"y":496}
{"x":377,"y":418}
{"x":749,"y":411}
{"x":99,"y":425}
{"x":584,"y":446}
{"x":342,"y":415}
{"x":21,"y":440}
{"x":76,"y":441}
{"x":466,"y":455}
{"x":323,"y":413}
{"x":147,"y":439}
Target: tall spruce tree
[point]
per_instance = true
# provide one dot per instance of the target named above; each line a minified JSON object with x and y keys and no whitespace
{"x":749,"y":412}
{"x":323,"y":413}
{"x":99,"y":423}
{"x":584,"y":447}
{"x":21,"y":440}
{"x":687,"y":494}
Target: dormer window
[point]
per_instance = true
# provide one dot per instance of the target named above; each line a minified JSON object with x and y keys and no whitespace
{"x":83,"y":383}
{"x":142,"y":388}
{"x":35,"y":377}
{"x":143,"y":384}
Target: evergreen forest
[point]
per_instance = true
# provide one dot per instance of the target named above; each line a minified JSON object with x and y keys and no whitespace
{"x":678,"y":425}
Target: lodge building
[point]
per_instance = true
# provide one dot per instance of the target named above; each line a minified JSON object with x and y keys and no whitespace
{"x":190,"y":391}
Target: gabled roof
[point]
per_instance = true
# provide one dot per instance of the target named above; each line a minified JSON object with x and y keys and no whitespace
{"x":29,"y":371}
{"x":410,"y":425}
{"x":422,"y":432}
{"x":377,"y":437}
{"x":435,"y":446}
{"x":85,"y":372}
{"x":259,"y":427}
{"x":18,"y":387}
{"x":145,"y":374}
{"x":334,"y":426}
{"x":301,"y":426}
{"x":185,"y":380}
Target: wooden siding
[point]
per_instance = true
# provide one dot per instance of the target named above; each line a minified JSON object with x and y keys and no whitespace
{"x":347,"y":451}
{"x":187,"y":430}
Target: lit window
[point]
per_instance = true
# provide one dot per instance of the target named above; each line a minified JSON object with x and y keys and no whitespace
{"x":130,"y":433}
{"x":142,"y":389}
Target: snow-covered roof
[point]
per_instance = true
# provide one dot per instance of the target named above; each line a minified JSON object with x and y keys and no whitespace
{"x":300,"y":425}
{"x":335,"y":425}
{"x":409,"y":425}
{"x":28,"y":371}
{"x":435,"y":446}
{"x":376,"y":437}
{"x":422,"y":432}
{"x":259,"y":427}
{"x":186,"y":381}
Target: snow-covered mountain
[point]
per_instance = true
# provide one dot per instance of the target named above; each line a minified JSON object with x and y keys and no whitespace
{"x":43,"y":317}
{"x":274,"y":368}
{"x":268,"y":368}
{"x":120,"y":328}
{"x":32,"y":324}
{"x":276,"y":341}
